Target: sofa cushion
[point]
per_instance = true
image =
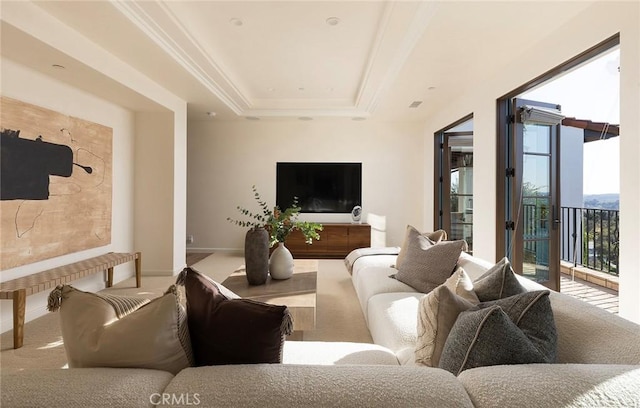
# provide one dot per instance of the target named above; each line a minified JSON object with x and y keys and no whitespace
{"x":83,"y":387}
{"x":412,"y":235}
{"x":382,"y":261}
{"x":515,"y":330}
{"x":437,"y":314}
{"x":553,"y":385}
{"x":393,"y":321}
{"x":594,"y":326}
{"x":371,"y":281}
{"x":498,"y":282}
{"x":336,"y":353}
{"x":153,"y":336}
{"x":344,"y":386}
{"x":232,"y":331}
{"x":427,"y":265}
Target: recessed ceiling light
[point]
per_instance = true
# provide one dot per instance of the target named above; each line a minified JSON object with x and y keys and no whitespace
{"x":236,"y":22}
{"x":415,"y":104}
{"x":58,"y":66}
{"x":271,"y":89}
{"x":305,"y":118}
{"x":301,"y":88}
{"x":252,"y":118}
{"x":211,"y":114}
{"x":333,"y":21}
{"x":431,"y":88}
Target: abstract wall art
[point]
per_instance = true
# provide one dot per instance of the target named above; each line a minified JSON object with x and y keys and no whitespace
{"x":55,"y":184}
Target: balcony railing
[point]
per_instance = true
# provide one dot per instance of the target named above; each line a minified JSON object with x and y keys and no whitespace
{"x":590,"y":238}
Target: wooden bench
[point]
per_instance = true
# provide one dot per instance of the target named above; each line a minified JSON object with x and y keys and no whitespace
{"x":18,"y":289}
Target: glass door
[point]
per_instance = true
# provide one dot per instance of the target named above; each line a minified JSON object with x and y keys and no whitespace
{"x":460,"y":157}
{"x":453,"y":187}
{"x":533,"y":192}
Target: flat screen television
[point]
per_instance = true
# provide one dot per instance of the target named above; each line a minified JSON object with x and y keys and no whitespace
{"x":320,"y":187}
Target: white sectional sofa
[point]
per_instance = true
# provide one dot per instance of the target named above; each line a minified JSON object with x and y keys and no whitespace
{"x":599,"y":365}
{"x":598,"y":352}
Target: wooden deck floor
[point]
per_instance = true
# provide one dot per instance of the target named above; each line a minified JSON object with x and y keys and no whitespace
{"x":590,"y":293}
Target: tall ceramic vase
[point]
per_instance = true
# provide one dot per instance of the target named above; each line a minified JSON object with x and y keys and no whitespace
{"x":256,"y":255}
{"x":281,"y":262}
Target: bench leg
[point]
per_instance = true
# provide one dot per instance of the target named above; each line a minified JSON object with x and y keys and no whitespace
{"x":19,"y":308}
{"x":109,"y":277}
{"x":138,"y":269}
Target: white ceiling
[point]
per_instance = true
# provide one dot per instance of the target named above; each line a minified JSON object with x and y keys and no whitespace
{"x":286,"y":60}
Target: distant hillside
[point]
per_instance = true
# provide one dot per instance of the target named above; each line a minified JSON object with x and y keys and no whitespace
{"x":602,"y":201}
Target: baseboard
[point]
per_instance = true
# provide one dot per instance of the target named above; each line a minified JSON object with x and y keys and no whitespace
{"x":231,"y":251}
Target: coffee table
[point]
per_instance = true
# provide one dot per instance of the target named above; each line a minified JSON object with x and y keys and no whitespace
{"x":298,"y":293}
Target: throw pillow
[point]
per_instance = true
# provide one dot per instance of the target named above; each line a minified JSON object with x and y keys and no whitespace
{"x":427,"y":265}
{"x":232,"y":331}
{"x":113,"y":331}
{"x":515,"y":330}
{"x":411,"y":234}
{"x":498,"y":282}
{"x":460,"y":283}
{"x":437,"y":313}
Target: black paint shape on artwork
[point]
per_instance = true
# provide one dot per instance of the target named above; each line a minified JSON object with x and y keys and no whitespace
{"x":25,"y":166}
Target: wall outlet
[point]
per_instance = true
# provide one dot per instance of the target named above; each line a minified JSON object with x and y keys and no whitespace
{"x":189,"y":239}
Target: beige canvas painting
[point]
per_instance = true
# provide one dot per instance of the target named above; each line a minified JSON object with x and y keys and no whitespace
{"x":55,"y":184}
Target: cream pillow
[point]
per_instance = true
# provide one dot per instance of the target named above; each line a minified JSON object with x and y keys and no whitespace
{"x":153,"y":336}
{"x":437,"y":313}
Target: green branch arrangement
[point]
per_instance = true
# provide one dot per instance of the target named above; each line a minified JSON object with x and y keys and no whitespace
{"x":278,"y":223}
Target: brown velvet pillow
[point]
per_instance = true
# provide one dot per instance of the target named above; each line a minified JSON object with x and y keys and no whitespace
{"x":232,"y":331}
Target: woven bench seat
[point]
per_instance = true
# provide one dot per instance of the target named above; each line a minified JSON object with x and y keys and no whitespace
{"x":18,"y":289}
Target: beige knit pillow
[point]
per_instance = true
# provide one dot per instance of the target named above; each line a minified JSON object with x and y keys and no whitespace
{"x":437,"y":313}
{"x":153,"y":336}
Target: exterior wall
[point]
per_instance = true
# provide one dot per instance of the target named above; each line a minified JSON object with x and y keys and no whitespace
{"x":571,"y":173}
{"x":227,"y":158}
{"x":583,"y":32}
{"x":571,"y":186}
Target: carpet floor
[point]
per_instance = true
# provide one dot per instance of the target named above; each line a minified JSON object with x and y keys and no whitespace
{"x":338,"y":313}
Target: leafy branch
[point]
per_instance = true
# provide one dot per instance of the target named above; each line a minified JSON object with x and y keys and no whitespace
{"x":279,"y":223}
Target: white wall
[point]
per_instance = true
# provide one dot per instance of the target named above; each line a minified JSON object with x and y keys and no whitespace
{"x":23,"y":84}
{"x":571,"y":157}
{"x":226,"y":158}
{"x":153,"y":200}
{"x":584,"y":31}
{"x":131,"y":223}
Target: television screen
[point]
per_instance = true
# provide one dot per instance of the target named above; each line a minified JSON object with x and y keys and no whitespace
{"x":320,"y":187}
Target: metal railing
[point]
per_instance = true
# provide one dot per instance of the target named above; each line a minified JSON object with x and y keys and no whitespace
{"x":590,"y":237}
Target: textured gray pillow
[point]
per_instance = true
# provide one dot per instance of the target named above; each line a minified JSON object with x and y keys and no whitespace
{"x":411,"y":234}
{"x":515,"y":330}
{"x":498,"y":282}
{"x":427,"y":265}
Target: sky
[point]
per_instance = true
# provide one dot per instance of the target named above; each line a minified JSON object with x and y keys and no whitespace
{"x":591,"y":92}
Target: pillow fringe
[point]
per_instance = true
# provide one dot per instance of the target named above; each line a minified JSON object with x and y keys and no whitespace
{"x":182,"y":276}
{"x":174,"y":289}
{"x":55,"y":299}
{"x":286,"y":327}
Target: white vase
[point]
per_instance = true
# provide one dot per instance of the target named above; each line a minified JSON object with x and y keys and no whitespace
{"x":281,"y":262}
